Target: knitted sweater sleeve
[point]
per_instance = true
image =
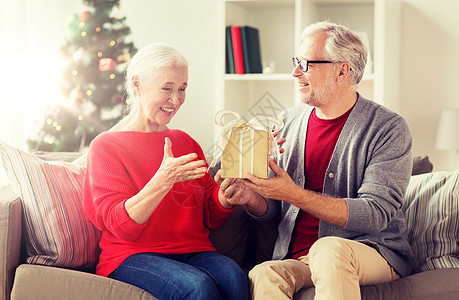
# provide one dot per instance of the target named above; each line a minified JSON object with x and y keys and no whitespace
{"x":107,"y":187}
{"x":385,"y":178}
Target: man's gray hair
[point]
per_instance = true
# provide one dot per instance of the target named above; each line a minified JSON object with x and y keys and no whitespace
{"x":342,"y":45}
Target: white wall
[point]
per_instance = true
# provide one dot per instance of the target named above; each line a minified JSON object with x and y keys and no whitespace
{"x":429,"y":72}
{"x":190,"y":27}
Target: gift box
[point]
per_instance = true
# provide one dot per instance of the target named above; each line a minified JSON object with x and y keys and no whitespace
{"x":246,"y":146}
{"x":246,"y":151}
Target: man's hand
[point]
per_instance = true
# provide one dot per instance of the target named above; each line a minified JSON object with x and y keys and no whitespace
{"x":279,"y":142}
{"x":280,"y":187}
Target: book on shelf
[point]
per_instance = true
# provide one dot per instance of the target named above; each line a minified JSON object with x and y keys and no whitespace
{"x":251,"y":49}
{"x":243,"y":55}
{"x":238,"y":54}
{"x":229,"y":58}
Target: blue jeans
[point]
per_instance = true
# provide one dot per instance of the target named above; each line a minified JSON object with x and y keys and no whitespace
{"x":202,"y":275}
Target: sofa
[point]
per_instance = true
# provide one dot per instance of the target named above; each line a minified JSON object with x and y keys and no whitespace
{"x":33,"y":271}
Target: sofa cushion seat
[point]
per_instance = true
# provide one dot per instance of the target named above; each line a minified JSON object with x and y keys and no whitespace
{"x":435,"y":284}
{"x":45,"y":282}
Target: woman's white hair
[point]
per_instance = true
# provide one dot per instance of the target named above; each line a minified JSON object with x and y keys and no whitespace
{"x":342,"y":45}
{"x":148,"y":62}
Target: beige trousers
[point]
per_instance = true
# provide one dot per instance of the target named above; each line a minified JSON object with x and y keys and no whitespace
{"x":335,"y":266}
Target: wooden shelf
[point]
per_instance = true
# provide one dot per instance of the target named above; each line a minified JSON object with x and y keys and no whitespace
{"x":272,"y":76}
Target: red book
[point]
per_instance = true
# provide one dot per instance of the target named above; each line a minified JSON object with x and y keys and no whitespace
{"x":237,"y":49}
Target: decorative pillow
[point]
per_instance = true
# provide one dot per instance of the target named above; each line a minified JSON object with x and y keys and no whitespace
{"x":57,"y":233}
{"x":432,"y":212}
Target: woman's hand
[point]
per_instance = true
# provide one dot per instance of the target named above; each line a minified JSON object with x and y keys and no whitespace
{"x":178,"y":169}
{"x":172,"y":170}
{"x":234,"y":192}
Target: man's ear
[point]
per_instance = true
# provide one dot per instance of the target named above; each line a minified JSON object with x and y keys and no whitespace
{"x":136,"y":85}
{"x":344,"y":71}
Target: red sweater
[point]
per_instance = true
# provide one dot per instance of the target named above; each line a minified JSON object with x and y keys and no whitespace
{"x":321,"y":139}
{"x":119,"y":165}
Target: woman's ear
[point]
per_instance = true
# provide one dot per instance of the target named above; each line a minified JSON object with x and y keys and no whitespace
{"x":136,"y":85}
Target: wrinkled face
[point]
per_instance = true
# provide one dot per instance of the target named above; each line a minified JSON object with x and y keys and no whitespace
{"x":318,"y":84}
{"x":161,"y":97}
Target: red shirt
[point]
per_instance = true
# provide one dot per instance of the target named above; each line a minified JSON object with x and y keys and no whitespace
{"x":119,"y":166}
{"x":321,"y":139}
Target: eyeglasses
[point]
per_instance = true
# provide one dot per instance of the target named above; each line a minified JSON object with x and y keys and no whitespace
{"x":304,"y":63}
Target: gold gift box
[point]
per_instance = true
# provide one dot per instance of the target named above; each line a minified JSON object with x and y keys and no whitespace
{"x":246,"y":151}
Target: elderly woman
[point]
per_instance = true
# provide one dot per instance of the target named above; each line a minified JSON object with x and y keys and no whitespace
{"x":147,"y":189}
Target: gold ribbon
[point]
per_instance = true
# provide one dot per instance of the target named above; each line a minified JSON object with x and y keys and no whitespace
{"x":268,"y":124}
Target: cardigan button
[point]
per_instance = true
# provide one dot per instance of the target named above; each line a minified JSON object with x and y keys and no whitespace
{"x":331,"y":175}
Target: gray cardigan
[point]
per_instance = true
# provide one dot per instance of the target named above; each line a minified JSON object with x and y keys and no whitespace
{"x":370,"y":168}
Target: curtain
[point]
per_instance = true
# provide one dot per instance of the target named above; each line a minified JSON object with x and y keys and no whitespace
{"x":31,"y":34}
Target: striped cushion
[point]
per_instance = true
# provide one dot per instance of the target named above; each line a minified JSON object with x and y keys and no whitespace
{"x":51,"y":193}
{"x":432,"y":212}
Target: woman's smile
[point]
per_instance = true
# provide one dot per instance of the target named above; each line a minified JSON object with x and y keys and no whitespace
{"x":167,"y":110}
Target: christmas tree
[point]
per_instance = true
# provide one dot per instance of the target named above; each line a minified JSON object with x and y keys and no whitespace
{"x":95,"y":57}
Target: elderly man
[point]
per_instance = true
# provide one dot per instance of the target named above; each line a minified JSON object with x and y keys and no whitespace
{"x":338,"y":188}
